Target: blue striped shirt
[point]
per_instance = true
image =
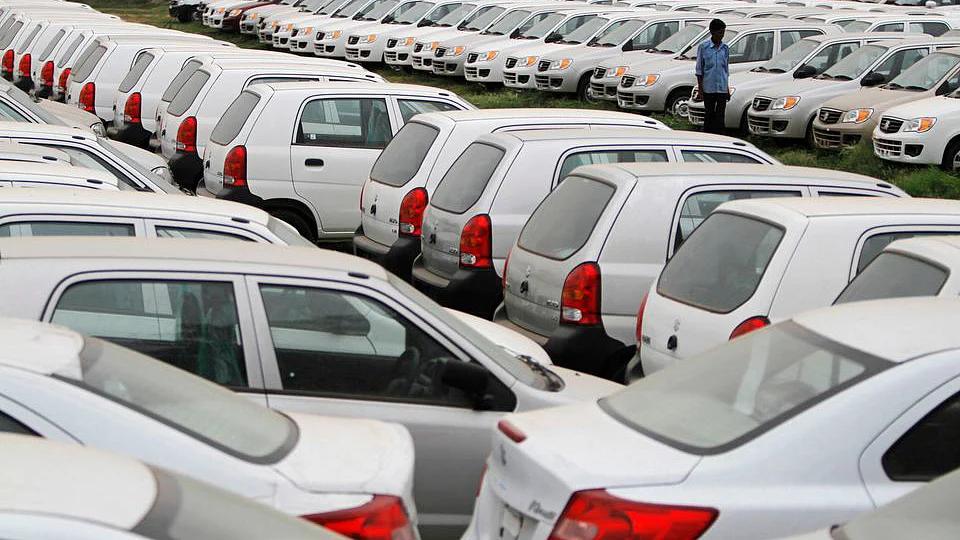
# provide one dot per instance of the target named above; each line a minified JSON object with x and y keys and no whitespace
{"x":713,"y":66}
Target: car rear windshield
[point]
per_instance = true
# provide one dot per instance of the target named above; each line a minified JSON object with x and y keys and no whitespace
{"x":720,"y":265}
{"x":177,"y":83}
{"x":139,"y":67}
{"x":188,"y":94}
{"x":893,"y":275}
{"x":465,"y":180}
{"x":91,"y":57}
{"x":27,"y":42}
{"x":403,"y":156}
{"x":566,"y":218}
{"x":52,"y":44}
{"x":724,"y":397}
{"x":68,"y":52}
{"x":234,"y":118}
{"x":10,"y":34}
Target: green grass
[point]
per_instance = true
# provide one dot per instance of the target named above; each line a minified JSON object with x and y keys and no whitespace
{"x":918,"y":181}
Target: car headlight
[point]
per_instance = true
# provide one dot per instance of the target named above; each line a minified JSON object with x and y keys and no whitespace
{"x":618,"y":71}
{"x":434,"y":45}
{"x":561,"y":64}
{"x":458,"y":50}
{"x":163,"y":172}
{"x":99,"y":129}
{"x":528,"y":61}
{"x":307,"y":31}
{"x":235,"y":13}
{"x":785,"y":103}
{"x":406,"y":41}
{"x":647,"y":80}
{"x":368,"y":39}
{"x":275,"y":25}
{"x":336,"y":34}
{"x":920,"y":125}
{"x":289,"y":26}
{"x":254,"y":16}
{"x":220,"y":10}
{"x":487,"y":56}
{"x":856,"y":116}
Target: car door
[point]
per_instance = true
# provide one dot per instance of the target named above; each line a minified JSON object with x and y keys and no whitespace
{"x":335,"y":143}
{"x":197,"y":322}
{"x":167,"y":228}
{"x":703,"y":154}
{"x":342,"y":350}
{"x":64,"y":225}
{"x":407,"y":108}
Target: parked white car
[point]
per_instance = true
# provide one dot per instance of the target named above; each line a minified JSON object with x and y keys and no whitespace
{"x":330,"y":36}
{"x":17,"y":106}
{"x":799,"y":426}
{"x":367,"y":43}
{"x":922,"y":24}
{"x":301,"y":330}
{"x":300,"y":39}
{"x":408,"y":170}
{"x":65,"y":386}
{"x":54,"y":175}
{"x":925,"y":131}
{"x":301,"y":151}
{"x":250,"y":22}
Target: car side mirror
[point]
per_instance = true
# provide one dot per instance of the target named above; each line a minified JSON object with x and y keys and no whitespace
{"x":805,"y":71}
{"x":472,"y":379}
{"x":628,"y":46}
{"x":515,"y":34}
{"x":423,"y":22}
{"x":552,"y":38}
{"x":872,"y":79}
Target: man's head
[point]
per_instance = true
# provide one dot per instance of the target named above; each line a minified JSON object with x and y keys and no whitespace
{"x":717,"y":29}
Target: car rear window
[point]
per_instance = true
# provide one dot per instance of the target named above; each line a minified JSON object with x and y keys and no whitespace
{"x":10,"y":34}
{"x":893,"y":275}
{"x":139,"y":67}
{"x":234,"y":118}
{"x":177,"y":83}
{"x":466,"y":179}
{"x":68,"y":52}
{"x":52,"y":44}
{"x":26,"y":43}
{"x":566,"y":218}
{"x":720,"y":265}
{"x":89,"y":61}
{"x":188,"y":94}
{"x":403,"y":156}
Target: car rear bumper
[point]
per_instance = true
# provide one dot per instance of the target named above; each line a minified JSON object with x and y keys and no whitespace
{"x":397,"y":257}
{"x":134,"y":134}
{"x":472,"y":290}
{"x":240,"y":195}
{"x":187,"y":170}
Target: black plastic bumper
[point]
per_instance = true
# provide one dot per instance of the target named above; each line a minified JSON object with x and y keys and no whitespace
{"x":397,"y":257}
{"x":240,"y":195}
{"x":589,"y":349}
{"x":230,"y":24}
{"x":25,"y":84}
{"x":476,"y":291}
{"x":135,"y":135}
{"x":43,"y":92}
{"x":187,"y":170}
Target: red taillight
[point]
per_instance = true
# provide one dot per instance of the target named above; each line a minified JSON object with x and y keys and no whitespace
{"x":25,"y":66}
{"x":383,"y":518}
{"x":88,"y":96}
{"x":131,"y":109}
{"x":411,"y":212}
{"x":187,"y":135}
{"x":476,"y":243}
{"x":597,"y":515}
{"x":643,"y":306}
{"x":235,"y":167}
{"x":511,"y":431}
{"x":46,"y":74}
{"x":64,"y":77}
{"x":749,"y":325}
{"x":7,"y":64}
{"x":580,"y":299}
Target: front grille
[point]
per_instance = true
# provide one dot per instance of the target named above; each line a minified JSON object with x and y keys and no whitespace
{"x":319,"y":36}
{"x":418,"y":47}
{"x":353,"y":40}
{"x":471,"y":72}
{"x":889,"y":124}
{"x":599,"y":73}
{"x":391,"y":43}
{"x":631,"y":100}
{"x":438,"y":68}
{"x":510,"y":63}
{"x":542,"y":81}
{"x":758,"y":125}
{"x":472,"y":57}
{"x":427,"y":62}
{"x":833,"y":139}
{"x":887,"y":148}
{"x":829,"y":116}
{"x":389,"y":56}
{"x":440,"y":52}
{"x":417,"y":61}
{"x":295,"y":33}
{"x":510,"y":78}
{"x":761,"y":103}
{"x":627,"y":81}
{"x":543,"y":65}
{"x":696,"y":116}
{"x":353,"y":54}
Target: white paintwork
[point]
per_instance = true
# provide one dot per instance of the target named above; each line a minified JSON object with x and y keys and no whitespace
{"x":45,"y":175}
{"x":935,"y":141}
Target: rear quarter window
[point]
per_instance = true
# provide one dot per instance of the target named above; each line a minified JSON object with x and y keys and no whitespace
{"x":234,"y":118}
{"x":89,"y":61}
{"x":188,"y":94}
{"x":404,"y":155}
{"x":894,"y":275}
{"x":26,"y":43}
{"x":566,"y":218}
{"x":463,"y":184}
{"x":177,"y":83}
{"x":68,"y":52}
{"x":10,"y":34}
{"x":139,"y":67}
{"x":48,"y":50}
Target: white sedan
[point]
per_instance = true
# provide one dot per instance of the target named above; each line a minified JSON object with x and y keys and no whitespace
{"x":61,"y":385}
{"x":84,"y":494}
{"x":798,"y":426}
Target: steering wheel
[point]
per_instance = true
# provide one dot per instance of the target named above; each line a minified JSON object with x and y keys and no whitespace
{"x":428,"y":380}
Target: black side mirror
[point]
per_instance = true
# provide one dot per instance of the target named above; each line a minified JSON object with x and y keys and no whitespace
{"x":423,"y":22}
{"x":628,"y":46}
{"x":552,"y":38}
{"x":805,"y":71}
{"x":472,"y":379}
{"x":872,"y":79}
{"x":515,"y":34}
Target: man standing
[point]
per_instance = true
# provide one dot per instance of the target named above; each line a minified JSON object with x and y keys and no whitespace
{"x":713,"y":58}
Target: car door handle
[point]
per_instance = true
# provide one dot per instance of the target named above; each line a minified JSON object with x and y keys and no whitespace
{"x":313,"y":162}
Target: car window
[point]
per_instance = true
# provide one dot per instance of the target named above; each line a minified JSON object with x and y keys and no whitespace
{"x":84,"y":158}
{"x":719,"y":267}
{"x":926,"y":73}
{"x":10,"y":34}
{"x":465,"y":180}
{"x":935,"y":29}
{"x":192,"y":325}
{"x":188,"y":94}
{"x":65,"y":228}
{"x":9,"y":424}
{"x":873,"y":245}
{"x":86,"y":64}
{"x":889,"y":27}
{"x":929,"y":448}
{"x":716,"y":156}
{"x":404,"y":155}
{"x":199,"y":234}
{"x":9,"y":113}
{"x":335,"y":342}
{"x":897,"y":62}
{"x":51,"y":45}
{"x":698,"y":206}
{"x":649,"y":37}
{"x":598,"y":157}
{"x":564,"y":221}
{"x":177,"y":83}
{"x":752,"y":48}
{"x":234,"y":118}
{"x":26,"y":42}
{"x":412,"y":107}
{"x":894,"y":275}
{"x":346,"y":122}
{"x":139,"y":67}
{"x":789,"y":37}
{"x":830,"y":55}
{"x":68,"y":52}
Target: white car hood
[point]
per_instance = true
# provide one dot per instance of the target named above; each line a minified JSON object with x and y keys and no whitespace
{"x":514,"y":342}
{"x":147,"y":159}
{"x":933,"y":106}
{"x":665,"y":67}
{"x":71,"y":116}
{"x":803,"y":87}
{"x":349,"y":455}
{"x":435,"y":33}
{"x":583,"y":53}
{"x":579,"y":386}
{"x":755,"y":79}
{"x":540,"y":49}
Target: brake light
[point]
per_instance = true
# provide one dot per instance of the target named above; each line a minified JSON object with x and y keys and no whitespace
{"x":580,"y":299}
{"x":383,"y":518}
{"x":749,"y":325}
{"x":476,"y":243}
{"x":25,"y":66}
{"x":187,"y":135}
{"x":46,"y":74}
{"x":62,"y":83}
{"x":235,"y":167}
{"x":7,"y":64}
{"x":411,"y":212}
{"x":88,"y":97}
{"x":511,"y":431}
{"x":597,"y":515}
{"x":643,"y":306}
{"x":131,"y":109}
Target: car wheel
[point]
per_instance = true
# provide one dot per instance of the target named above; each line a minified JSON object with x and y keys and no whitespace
{"x":583,"y":89}
{"x":184,"y":15}
{"x":294,"y":218}
{"x":677,"y":102}
{"x":951,"y":157}
{"x":809,"y":134}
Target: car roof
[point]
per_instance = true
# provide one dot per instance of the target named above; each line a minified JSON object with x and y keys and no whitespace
{"x":533,"y":113}
{"x":45,"y":477}
{"x":749,"y":24}
{"x":817,"y":207}
{"x":231,"y":64}
{"x":357,"y":87}
{"x":845,"y":36}
{"x":806,"y":175}
{"x":20,"y":128}
{"x":167,"y":249}
{"x":897,"y":329}
{"x":10,"y":170}
{"x":88,"y":200}
{"x":532,"y":135}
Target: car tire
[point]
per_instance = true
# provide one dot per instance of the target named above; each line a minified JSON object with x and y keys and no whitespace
{"x":583,"y":87}
{"x":951,"y":157}
{"x":677,"y":102}
{"x":297,"y":221}
{"x":184,"y":15}
{"x":808,"y":136}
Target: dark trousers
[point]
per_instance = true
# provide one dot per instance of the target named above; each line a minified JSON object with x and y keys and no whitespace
{"x":716,"y":105}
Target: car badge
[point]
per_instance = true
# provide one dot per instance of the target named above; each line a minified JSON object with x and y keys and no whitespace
{"x":373,"y":208}
{"x":676,"y":325}
{"x":433,"y":238}
{"x":524,"y":287}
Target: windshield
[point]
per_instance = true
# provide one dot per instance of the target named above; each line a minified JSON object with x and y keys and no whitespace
{"x":27,"y":102}
{"x":481,"y":18}
{"x":376,"y":10}
{"x":680,"y":40}
{"x":467,"y":178}
{"x":723,"y":397}
{"x":854,"y":65}
{"x":409,"y":13}
{"x":177,"y":83}
{"x":441,"y":17}
{"x":350,"y":9}
{"x":616,"y":33}
{"x":541,"y":29}
{"x":27,"y":42}
{"x":564,"y":221}
{"x":691,"y":52}
{"x":507,"y":23}
{"x":857,"y":26}
{"x":52,"y":44}
{"x":404,"y":155}
{"x":894,"y":275}
{"x":120,"y":153}
{"x":330,"y":7}
{"x":584,"y":31}
{"x":68,"y":52}
{"x":926,"y":73}
{"x":789,"y":58}
{"x":139,"y":67}
{"x":190,"y":404}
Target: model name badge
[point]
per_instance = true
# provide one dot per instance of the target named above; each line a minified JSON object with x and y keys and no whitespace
{"x":538,"y":510}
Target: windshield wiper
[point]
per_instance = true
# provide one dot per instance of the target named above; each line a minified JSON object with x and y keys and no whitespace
{"x":843,"y":78}
{"x":683,"y":57}
{"x":777,"y":70}
{"x":554,"y":382}
{"x":892,"y":86}
{"x":759,"y":69}
{"x":915,"y":88}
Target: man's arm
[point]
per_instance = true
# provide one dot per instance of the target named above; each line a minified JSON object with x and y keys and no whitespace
{"x":698,"y":70}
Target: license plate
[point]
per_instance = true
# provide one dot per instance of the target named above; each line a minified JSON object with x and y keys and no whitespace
{"x":510,"y":524}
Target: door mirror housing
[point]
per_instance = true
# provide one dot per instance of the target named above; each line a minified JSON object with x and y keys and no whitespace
{"x":872,"y":79}
{"x":472,"y":379}
{"x":552,"y":38}
{"x":628,"y":46}
{"x":805,"y":71}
